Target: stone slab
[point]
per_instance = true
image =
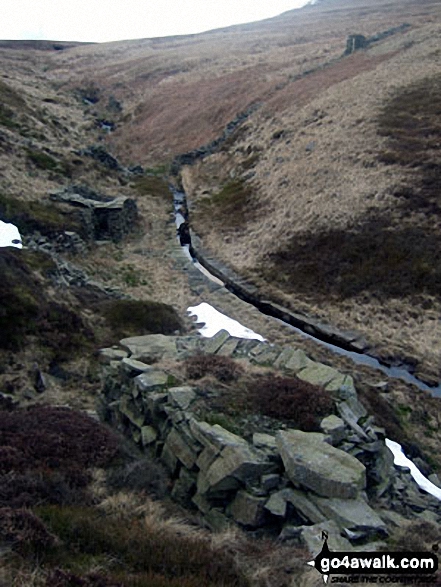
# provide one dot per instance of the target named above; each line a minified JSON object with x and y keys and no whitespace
{"x":312,"y":463}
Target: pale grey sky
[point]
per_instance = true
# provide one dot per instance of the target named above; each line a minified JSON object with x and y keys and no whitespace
{"x":96,"y":20}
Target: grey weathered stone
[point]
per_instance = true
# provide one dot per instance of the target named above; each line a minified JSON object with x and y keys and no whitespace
{"x":277,"y":504}
{"x":229,"y":347}
{"x":175,"y":415}
{"x":213,"y":344}
{"x":181,"y":397}
{"x":102,"y":217}
{"x":283,"y":358}
{"x":152,"y":380}
{"x":148,"y":435}
{"x":351,"y":411}
{"x":155,"y":402}
{"x":247,"y":510}
{"x":169,"y":458}
{"x":311,"y":537}
{"x":128,"y":407}
{"x":133,"y":367}
{"x":236,"y":465}
{"x":184,"y":487}
{"x":353,"y":514}
{"x":216,"y":520}
{"x":304,"y":506}
{"x":201,"y":502}
{"x":207,"y":457}
{"x":314,"y":464}
{"x":334,"y":427}
{"x":319,"y":374}
{"x":215,"y":436}
{"x":176,"y":444}
{"x":150,"y":348}
{"x":111,"y":354}
{"x":270,"y":482}
{"x":266,"y":356}
{"x":298,"y":361}
{"x":264,"y":441}
{"x":342,"y":387}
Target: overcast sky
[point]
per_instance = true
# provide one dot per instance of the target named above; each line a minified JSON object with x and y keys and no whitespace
{"x":113,"y":20}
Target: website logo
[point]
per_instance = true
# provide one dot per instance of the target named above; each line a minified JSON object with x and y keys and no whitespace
{"x":409,"y":568}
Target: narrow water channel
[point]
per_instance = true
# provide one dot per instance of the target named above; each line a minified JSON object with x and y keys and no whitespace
{"x":360,"y":358}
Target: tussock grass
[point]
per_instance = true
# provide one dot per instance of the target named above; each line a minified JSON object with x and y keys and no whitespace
{"x":378,"y":256}
{"x":222,"y":368}
{"x":139,"y":547}
{"x":230,"y":206}
{"x":26,"y":311}
{"x":34,"y":215}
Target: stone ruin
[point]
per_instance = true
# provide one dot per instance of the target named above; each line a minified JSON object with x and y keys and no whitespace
{"x":355,"y":42}
{"x":296,"y":484}
{"x":103,"y":217}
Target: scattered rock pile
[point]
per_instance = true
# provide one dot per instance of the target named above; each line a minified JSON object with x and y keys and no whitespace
{"x":297,"y":484}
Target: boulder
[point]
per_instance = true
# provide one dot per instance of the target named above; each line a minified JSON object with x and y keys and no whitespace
{"x":247,"y":509}
{"x":207,"y":458}
{"x":319,"y":374}
{"x":214,"y":436}
{"x":312,"y":463}
{"x":352,"y":514}
{"x":184,"y":487}
{"x":270,"y":482}
{"x":236,"y":465}
{"x":152,"y":380}
{"x":351,"y":411}
{"x":148,"y":435}
{"x":297,"y":361}
{"x":133,"y":367}
{"x":213,"y":344}
{"x":334,"y":427}
{"x":304,"y":506}
{"x":131,"y":410}
{"x":149,"y":348}
{"x":111,"y":354}
{"x":277,"y":505}
{"x":181,"y":397}
{"x":177,"y":446}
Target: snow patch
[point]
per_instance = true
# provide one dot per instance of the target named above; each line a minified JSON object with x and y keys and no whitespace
{"x":9,"y":235}
{"x":214,"y":321}
{"x":401,"y":460}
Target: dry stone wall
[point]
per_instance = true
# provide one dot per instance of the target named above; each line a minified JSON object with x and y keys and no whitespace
{"x":293,"y":483}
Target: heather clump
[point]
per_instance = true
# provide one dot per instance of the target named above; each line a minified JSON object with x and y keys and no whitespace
{"x":222,"y":368}
{"x":290,"y":399}
{"x":46,"y":454}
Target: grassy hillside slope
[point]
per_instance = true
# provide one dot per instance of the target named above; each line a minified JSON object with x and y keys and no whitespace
{"x":337,"y":212}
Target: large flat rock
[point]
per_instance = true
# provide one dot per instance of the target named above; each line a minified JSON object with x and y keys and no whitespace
{"x":351,"y":514}
{"x":149,"y":348}
{"x":314,"y":464}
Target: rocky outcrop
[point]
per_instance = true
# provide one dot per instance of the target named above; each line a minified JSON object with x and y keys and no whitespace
{"x":341,"y":480}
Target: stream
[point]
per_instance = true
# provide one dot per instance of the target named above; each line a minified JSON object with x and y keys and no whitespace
{"x":361,"y":358}
{"x":213,"y":321}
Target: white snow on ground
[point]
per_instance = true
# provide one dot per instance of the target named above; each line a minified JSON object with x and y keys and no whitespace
{"x":9,"y":235}
{"x":401,"y":460}
{"x":215,"y":321}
